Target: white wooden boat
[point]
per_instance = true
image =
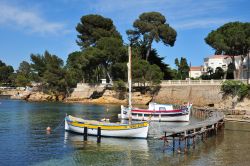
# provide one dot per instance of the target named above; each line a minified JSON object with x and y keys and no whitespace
{"x":135,"y":130}
{"x":158,"y":112}
{"x":155,"y":112}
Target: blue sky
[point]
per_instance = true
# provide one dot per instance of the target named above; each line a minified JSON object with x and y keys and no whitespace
{"x":33,"y":26}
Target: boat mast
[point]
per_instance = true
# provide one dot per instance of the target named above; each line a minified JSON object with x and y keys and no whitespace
{"x":129,"y":78}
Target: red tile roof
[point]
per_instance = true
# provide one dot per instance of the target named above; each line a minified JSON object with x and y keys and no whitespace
{"x":219,"y":56}
{"x":196,"y":68}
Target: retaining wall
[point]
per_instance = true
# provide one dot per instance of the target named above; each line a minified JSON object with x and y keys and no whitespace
{"x":199,"y":95}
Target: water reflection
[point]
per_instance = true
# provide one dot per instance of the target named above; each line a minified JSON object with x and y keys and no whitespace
{"x":111,"y":151}
{"x":106,"y":143}
{"x":24,"y":140}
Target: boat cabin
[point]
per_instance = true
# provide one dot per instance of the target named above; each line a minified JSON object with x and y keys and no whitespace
{"x":160,"y":107}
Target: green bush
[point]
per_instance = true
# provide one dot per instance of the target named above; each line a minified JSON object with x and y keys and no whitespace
{"x":235,"y":88}
{"x":119,"y":85}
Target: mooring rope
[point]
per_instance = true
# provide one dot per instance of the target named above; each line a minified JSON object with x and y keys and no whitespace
{"x":60,"y":124}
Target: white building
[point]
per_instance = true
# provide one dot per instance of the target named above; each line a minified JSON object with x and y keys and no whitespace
{"x":195,"y":71}
{"x":215,"y":61}
{"x":223,"y":61}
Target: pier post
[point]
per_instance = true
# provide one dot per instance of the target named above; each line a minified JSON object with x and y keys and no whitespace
{"x":173,"y":142}
{"x":99,"y":135}
{"x":85,"y":134}
{"x":203,"y":130}
{"x":193,"y":136}
{"x":179,"y":148}
{"x":208,"y":132}
{"x":205,"y":134}
{"x":193,"y":141}
{"x":165,"y":140}
{"x":188,"y":139}
{"x":185,"y":144}
{"x":216,"y":128}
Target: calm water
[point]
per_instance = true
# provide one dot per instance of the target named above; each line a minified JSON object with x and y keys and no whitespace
{"x":24,"y":140}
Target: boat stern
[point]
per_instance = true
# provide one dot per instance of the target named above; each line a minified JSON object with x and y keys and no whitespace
{"x":66,"y":127}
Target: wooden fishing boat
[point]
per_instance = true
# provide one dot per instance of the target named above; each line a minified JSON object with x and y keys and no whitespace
{"x":158,"y":112}
{"x":135,"y":130}
{"x":155,"y":112}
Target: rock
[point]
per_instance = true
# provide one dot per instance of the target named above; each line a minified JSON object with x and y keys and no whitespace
{"x":60,"y":97}
{"x":110,"y":93}
{"x":53,"y":98}
{"x":22,"y":95}
{"x":39,"y":96}
{"x":108,"y":100}
{"x":226,"y":103}
{"x":138,"y":98}
{"x":13,"y":92}
{"x":136,"y":94}
{"x":113,"y":97}
{"x":243,"y":105}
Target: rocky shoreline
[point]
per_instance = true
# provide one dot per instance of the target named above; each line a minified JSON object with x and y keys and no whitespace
{"x":31,"y":96}
{"x":234,"y":110}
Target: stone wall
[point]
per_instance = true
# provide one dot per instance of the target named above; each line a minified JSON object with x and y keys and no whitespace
{"x":199,"y":95}
{"x":85,"y":91}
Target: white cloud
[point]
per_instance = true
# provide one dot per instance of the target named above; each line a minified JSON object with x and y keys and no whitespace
{"x":182,"y":13}
{"x":200,"y":23}
{"x":27,"y":20}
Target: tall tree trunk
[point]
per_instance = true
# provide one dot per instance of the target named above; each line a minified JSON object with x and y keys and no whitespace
{"x":235,"y":71}
{"x":149,"y":48}
{"x":148,"y":52}
{"x":241,"y":67}
{"x":110,"y":78}
{"x":225,"y":75}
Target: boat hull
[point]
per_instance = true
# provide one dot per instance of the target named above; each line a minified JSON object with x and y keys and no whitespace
{"x":161,"y":116}
{"x":139,"y":130}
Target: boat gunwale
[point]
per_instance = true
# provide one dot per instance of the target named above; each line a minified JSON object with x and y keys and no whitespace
{"x":109,"y":129}
{"x":162,"y":115}
{"x":158,"y":111}
{"x":107,"y":126}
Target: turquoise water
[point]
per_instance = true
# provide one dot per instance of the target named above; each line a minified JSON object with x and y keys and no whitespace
{"x":24,"y":140}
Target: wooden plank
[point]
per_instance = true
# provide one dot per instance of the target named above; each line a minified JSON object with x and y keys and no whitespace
{"x":209,"y":123}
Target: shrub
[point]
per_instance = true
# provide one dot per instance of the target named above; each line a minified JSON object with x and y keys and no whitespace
{"x":235,"y":88}
{"x":119,"y":85}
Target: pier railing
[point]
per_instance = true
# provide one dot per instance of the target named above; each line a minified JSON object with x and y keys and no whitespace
{"x":196,"y":82}
{"x":81,"y":86}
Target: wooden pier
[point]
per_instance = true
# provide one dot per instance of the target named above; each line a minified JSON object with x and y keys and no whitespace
{"x":187,"y":134}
